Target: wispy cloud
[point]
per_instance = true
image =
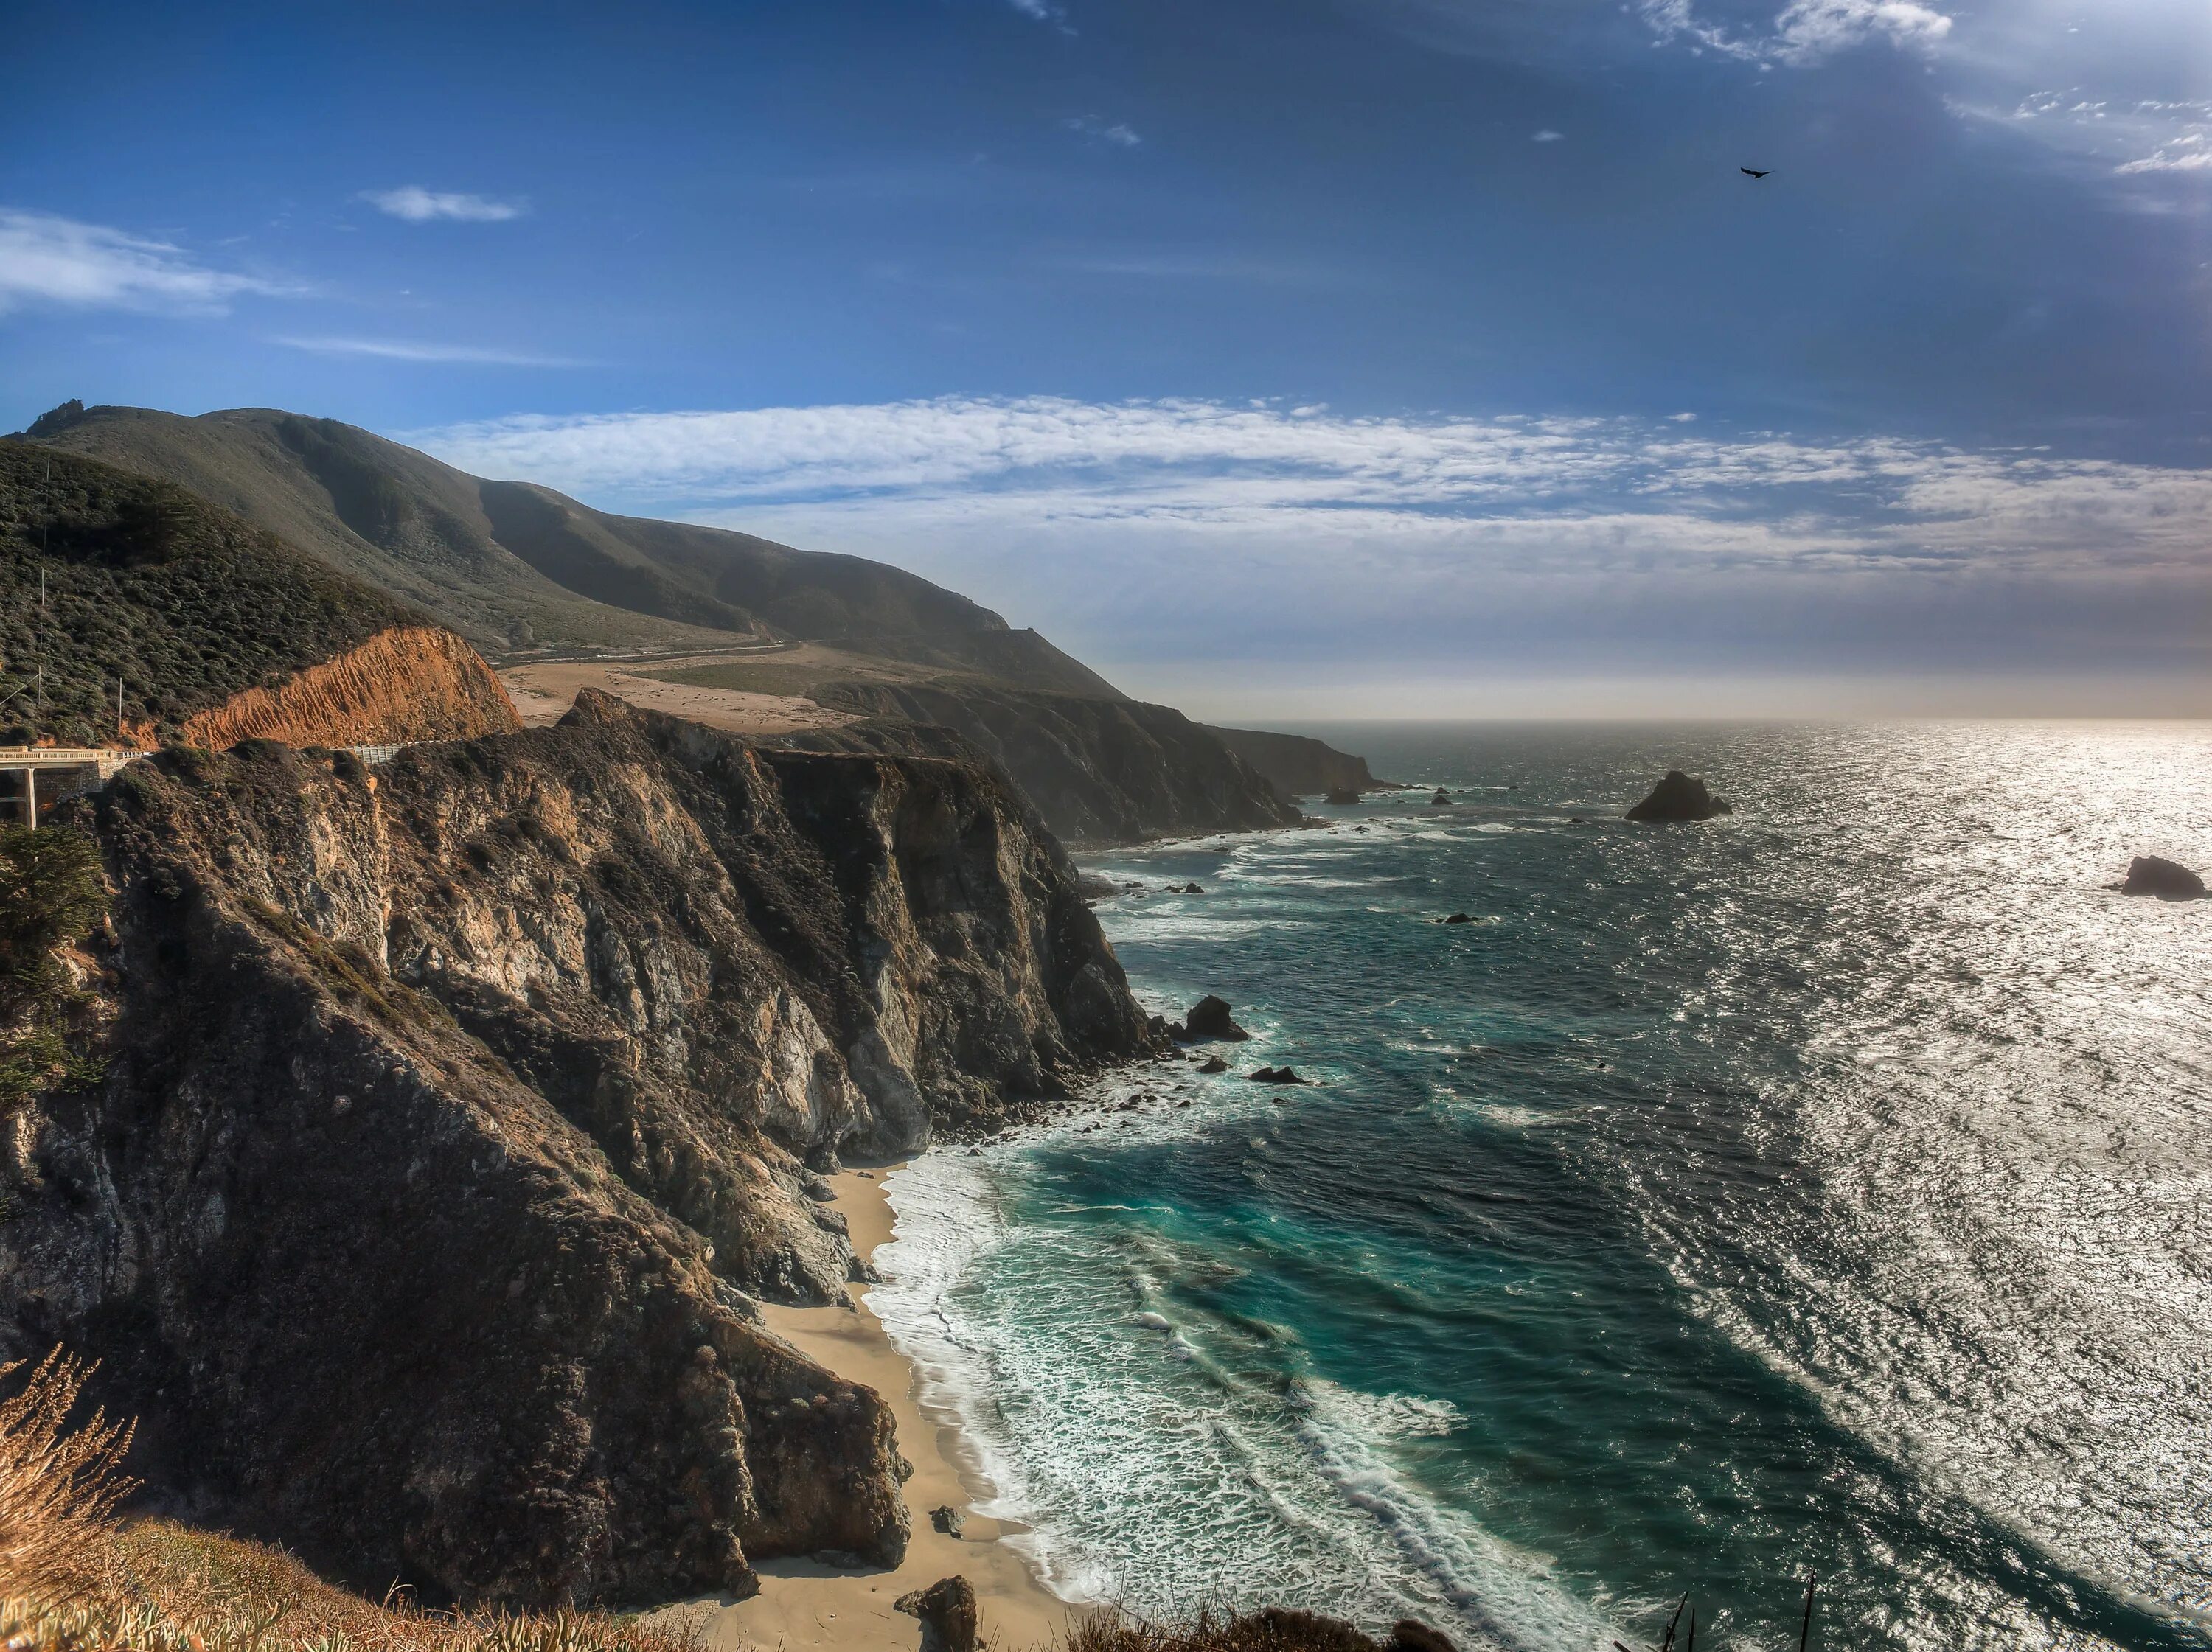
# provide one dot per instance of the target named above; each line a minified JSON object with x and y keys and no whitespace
{"x":402,"y":349}
{"x":1547,"y":136}
{"x":1588,"y":491}
{"x":2190,"y":152}
{"x":2122,"y":137}
{"x":1805,"y":31}
{"x":46,"y":259}
{"x":418,"y":205}
{"x":1115,"y":135}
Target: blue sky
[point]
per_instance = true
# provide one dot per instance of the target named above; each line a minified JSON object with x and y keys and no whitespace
{"x":1279,"y":356}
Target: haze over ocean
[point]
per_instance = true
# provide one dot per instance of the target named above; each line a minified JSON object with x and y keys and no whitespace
{"x":1822,"y":1188}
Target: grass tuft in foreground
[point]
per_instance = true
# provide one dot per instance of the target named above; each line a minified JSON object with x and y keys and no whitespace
{"x":74,"y":1579}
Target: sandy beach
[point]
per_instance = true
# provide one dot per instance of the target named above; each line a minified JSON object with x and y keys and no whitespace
{"x":803,"y":1603}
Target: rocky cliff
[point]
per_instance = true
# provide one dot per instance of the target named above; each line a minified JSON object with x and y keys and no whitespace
{"x":1299,"y":766}
{"x":412,"y":683}
{"x":455,"y":1112}
{"x":1099,"y":771}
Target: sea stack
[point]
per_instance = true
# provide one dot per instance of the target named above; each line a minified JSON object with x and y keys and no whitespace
{"x":1678,"y":797}
{"x":2169,"y":880}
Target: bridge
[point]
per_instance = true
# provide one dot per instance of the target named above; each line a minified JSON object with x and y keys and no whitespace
{"x":35,"y":778}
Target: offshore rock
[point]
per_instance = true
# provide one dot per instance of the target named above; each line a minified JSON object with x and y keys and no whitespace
{"x":1678,"y":797}
{"x":1209,"y":1018}
{"x":2168,"y":880}
{"x":454,"y":1118}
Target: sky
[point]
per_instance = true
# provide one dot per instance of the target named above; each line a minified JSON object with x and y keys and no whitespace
{"x":1280,"y":358}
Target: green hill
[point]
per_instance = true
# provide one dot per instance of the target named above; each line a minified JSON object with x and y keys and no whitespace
{"x":108,"y":578}
{"x":511,"y":565}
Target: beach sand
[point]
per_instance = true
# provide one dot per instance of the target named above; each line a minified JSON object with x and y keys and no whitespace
{"x":802,"y":1604}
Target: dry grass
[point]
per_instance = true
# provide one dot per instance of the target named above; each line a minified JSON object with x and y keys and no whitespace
{"x":72,"y":1579}
{"x":1271,"y":1630}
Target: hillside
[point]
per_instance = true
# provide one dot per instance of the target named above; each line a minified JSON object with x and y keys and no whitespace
{"x":513,"y":566}
{"x":132,"y":611}
{"x":543,"y":580}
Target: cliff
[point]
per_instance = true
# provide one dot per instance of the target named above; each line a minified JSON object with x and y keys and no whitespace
{"x":455,"y":1115}
{"x":1297,"y":765}
{"x":413,"y":682}
{"x":1099,"y":771}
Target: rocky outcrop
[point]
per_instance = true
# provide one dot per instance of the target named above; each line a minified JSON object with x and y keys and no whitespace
{"x":947,"y":1610}
{"x":1210,"y":1018}
{"x":453,"y":1117}
{"x":1298,"y":766}
{"x":412,"y":683}
{"x":1677,"y":797}
{"x":2168,"y":880}
{"x":1100,"y":772}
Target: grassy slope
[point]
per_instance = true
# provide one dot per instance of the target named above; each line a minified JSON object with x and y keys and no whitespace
{"x":144,"y":584}
{"x":384,"y":514}
{"x":510,"y":563}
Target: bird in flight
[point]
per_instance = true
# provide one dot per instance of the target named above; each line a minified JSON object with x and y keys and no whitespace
{"x":1748,"y":173}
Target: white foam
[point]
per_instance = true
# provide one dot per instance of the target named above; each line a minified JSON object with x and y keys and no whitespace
{"x":1151,"y":1472}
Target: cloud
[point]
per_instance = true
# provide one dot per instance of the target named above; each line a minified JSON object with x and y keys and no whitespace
{"x":1534,"y":493}
{"x":1547,"y":136}
{"x":1808,"y":30}
{"x":1805,"y":31}
{"x":1681,"y":418}
{"x":2190,"y":152}
{"x":1098,"y":131}
{"x":418,"y":205}
{"x":399,"y":349}
{"x":54,"y":260}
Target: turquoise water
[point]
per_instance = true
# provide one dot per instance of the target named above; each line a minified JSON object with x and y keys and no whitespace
{"x":1822,"y":1189}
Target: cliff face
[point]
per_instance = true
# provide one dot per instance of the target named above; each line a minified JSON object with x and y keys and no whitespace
{"x":1100,"y":772}
{"x":412,"y":683}
{"x":455,"y":1112}
{"x":1297,"y":765}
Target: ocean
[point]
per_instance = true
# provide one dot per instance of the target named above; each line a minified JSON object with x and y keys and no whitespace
{"x":1825,"y":1190}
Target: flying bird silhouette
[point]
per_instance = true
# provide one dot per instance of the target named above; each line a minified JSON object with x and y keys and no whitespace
{"x":1748,"y":173}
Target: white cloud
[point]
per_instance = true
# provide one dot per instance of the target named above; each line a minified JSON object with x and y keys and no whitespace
{"x":1100,"y":131}
{"x":419,"y":205}
{"x":54,"y":260}
{"x":1572,"y":494}
{"x":400,"y":349}
{"x":1804,"y":31}
{"x":2190,"y":152}
{"x":1681,"y":418}
{"x":1547,"y":136}
{"x":1808,"y":30}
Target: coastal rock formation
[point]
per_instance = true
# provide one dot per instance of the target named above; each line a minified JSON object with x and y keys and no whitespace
{"x":1441,"y":800}
{"x":1100,"y":772}
{"x":453,"y":1116}
{"x":413,"y":682}
{"x":947,"y":1610}
{"x":1678,"y":797}
{"x":1343,"y":795}
{"x":1209,"y":1018}
{"x":1299,"y":766}
{"x":2168,"y":880}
